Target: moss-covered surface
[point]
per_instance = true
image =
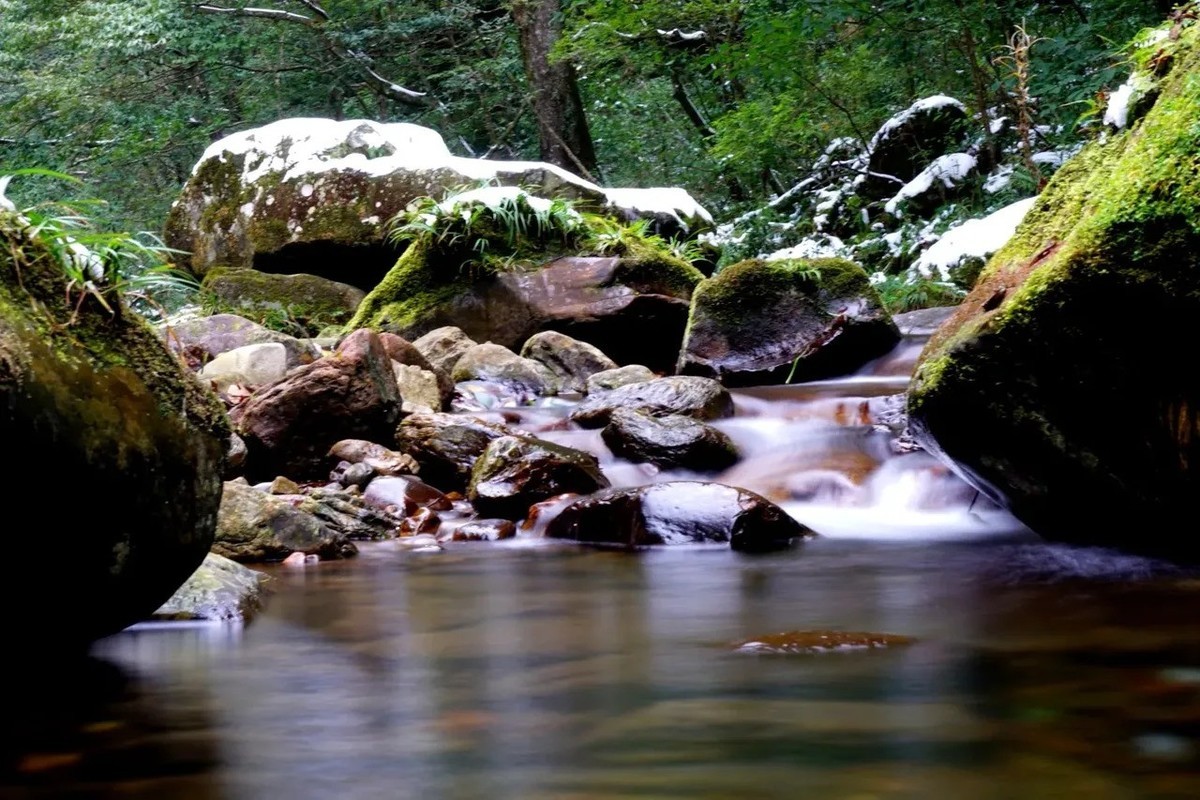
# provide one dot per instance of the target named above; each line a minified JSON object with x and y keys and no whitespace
{"x":94,"y":406}
{"x":307,"y":301}
{"x":765,"y":321}
{"x":1057,"y":387}
{"x":414,"y":292}
{"x":653,"y":270}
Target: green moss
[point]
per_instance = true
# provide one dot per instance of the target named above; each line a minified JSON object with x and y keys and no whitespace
{"x":752,"y":285}
{"x":654,"y":270}
{"x":417,"y":286}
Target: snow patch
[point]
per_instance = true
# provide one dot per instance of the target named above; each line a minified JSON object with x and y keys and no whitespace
{"x":949,"y":170}
{"x":816,"y":247}
{"x":977,"y":238}
{"x":998,"y":180}
{"x":670,"y":201}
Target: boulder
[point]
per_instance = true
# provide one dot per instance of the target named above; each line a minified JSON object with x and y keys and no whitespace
{"x":443,"y":347}
{"x":315,"y":195}
{"x":202,"y":339}
{"x":95,"y":414}
{"x":634,"y":308}
{"x":616,"y":378}
{"x":1085,"y":428}
{"x":307,"y":301}
{"x":446,"y":446}
{"x":349,"y":514}
{"x":254,"y":526}
{"x":420,"y":389}
{"x":255,"y":364}
{"x":681,"y":512}
{"x":909,"y":141}
{"x":290,"y":426}
{"x":689,"y":396}
{"x":221,"y":590}
{"x":571,"y":361}
{"x":670,"y":442}
{"x":515,"y":472}
{"x":765,"y":322}
{"x":495,"y":364}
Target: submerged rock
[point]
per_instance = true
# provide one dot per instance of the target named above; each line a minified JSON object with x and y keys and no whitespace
{"x":764,"y":322}
{"x":446,"y":446}
{"x":681,"y":512}
{"x":571,"y":361}
{"x":99,"y":419}
{"x":690,"y":396}
{"x":221,"y":590}
{"x":515,"y":472}
{"x":290,"y":426}
{"x":254,"y":526}
{"x":1084,"y":427}
{"x":670,"y":442}
{"x":804,"y":642}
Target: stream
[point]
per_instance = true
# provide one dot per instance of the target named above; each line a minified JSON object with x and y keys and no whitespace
{"x":536,"y":670}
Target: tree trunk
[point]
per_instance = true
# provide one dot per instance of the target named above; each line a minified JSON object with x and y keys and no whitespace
{"x":562,"y":125}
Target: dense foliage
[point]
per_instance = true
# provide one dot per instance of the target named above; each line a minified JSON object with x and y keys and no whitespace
{"x":730,"y":98}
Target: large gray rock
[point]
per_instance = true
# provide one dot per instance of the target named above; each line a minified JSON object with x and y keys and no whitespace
{"x":99,"y":421}
{"x":766,"y":322}
{"x":682,"y":512}
{"x":443,"y":347}
{"x":670,"y":442}
{"x":202,"y":339}
{"x":496,"y":364}
{"x":446,"y":446}
{"x":571,"y":361}
{"x":290,"y":426}
{"x":255,"y":364}
{"x":695,"y":397}
{"x":221,"y":590}
{"x":616,"y":378}
{"x":254,"y":526}
{"x":515,"y":472}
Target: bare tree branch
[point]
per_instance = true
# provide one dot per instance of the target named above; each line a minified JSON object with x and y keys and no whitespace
{"x":265,"y":13}
{"x":378,"y":83}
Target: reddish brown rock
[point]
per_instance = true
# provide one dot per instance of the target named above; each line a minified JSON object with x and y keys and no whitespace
{"x":290,"y":426}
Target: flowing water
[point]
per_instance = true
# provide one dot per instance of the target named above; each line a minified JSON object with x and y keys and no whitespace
{"x":530,"y":670}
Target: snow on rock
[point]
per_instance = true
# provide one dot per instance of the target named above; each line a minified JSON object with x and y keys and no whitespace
{"x":495,"y":195}
{"x":1119,"y":102}
{"x":812,"y":247}
{"x":669,"y":201}
{"x":919,"y":107}
{"x":948,"y":170}
{"x":975,"y":238}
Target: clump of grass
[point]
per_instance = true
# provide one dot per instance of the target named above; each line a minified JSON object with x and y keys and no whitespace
{"x":909,"y":292}
{"x":106,"y":266}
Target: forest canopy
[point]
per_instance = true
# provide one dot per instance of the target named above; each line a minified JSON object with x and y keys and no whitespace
{"x":732,"y":99}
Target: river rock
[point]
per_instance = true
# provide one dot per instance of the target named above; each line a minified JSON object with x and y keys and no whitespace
{"x":517,"y":471}
{"x":420,"y":389}
{"x":309,"y":302}
{"x":348,"y":475}
{"x":349,"y":514}
{"x":202,"y":339}
{"x":1084,"y":428}
{"x":681,"y":512}
{"x":254,"y":526}
{"x":406,"y":354}
{"x":405,"y":494}
{"x":290,"y":426}
{"x":446,"y":446}
{"x":99,"y":418}
{"x":632,"y":308}
{"x":443,"y":347}
{"x":495,"y":364}
{"x":616,"y":378}
{"x":766,"y":322}
{"x":254,"y":364}
{"x":221,"y":590}
{"x":483,"y":530}
{"x":571,"y":361}
{"x":690,"y":396}
{"x":671,"y":442}
{"x":379,"y":458}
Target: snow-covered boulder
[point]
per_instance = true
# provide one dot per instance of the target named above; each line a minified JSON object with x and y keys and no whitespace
{"x":907,"y":143}
{"x":314,"y":195}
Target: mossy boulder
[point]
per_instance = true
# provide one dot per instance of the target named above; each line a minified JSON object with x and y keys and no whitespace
{"x":1057,"y":387}
{"x":93,"y":396}
{"x":760,"y":322}
{"x":315,"y":196}
{"x":309,"y":302}
{"x":633,"y":308}
{"x":221,"y":590}
{"x":254,"y":526}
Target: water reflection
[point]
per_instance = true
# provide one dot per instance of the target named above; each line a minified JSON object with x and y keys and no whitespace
{"x":555,"y":673}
